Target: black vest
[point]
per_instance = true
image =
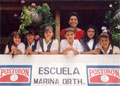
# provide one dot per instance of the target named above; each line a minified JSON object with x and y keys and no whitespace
{"x":33,"y":46}
{"x":111,"y":52}
{"x":85,"y":45}
{"x":48,"y":47}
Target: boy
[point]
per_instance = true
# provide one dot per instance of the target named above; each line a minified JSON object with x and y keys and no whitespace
{"x":70,"y":45}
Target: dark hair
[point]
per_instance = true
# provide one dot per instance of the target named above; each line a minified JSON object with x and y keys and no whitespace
{"x":69,"y":29}
{"x":30,"y":32}
{"x":46,"y":28}
{"x":73,"y":14}
{"x":10,"y":42}
{"x":95,"y":36}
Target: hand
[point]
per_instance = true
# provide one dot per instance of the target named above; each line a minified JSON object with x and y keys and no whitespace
{"x":13,"y":48}
{"x":29,"y":50}
{"x":69,"y":47}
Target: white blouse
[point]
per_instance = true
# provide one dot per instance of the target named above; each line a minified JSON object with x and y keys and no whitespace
{"x":54,"y":46}
{"x":90,"y":44}
{"x":116,"y":50}
{"x":76,"y":45}
{"x":33,"y":43}
{"x":21,"y":47}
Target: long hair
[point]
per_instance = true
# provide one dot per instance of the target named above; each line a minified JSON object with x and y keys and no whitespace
{"x":95,"y":37}
{"x":10,"y":41}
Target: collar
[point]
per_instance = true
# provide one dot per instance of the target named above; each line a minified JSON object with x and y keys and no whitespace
{"x":45,"y":42}
{"x":110,"y":48}
{"x":31,"y":44}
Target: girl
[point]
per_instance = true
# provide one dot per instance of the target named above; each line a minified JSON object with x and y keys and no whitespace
{"x":31,"y":43}
{"x":106,"y":43}
{"x":15,"y":46}
{"x":70,"y":45}
{"x":48,"y":45}
{"x":73,"y":21}
{"x":90,"y":41}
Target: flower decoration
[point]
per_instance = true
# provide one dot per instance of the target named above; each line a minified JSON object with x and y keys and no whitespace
{"x":22,"y":1}
{"x":34,"y":15}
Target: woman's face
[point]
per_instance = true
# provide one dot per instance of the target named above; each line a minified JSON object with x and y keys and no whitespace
{"x":104,"y":41}
{"x":73,"y":21}
{"x":48,"y":34}
{"x":16,"y":39}
{"x":90,"y":33}
{"x":70,"y":35}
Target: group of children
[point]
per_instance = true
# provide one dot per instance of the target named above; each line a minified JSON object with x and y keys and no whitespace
{"x":90,"y":44}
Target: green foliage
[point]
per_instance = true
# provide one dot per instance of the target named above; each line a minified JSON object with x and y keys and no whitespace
{"x":43,"y":10}
{"x":112,"y":23}
{"x":116,"y":38}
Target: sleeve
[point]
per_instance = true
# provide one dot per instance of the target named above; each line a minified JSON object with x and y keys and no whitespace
{"x":62,"y":33}
{"x":6,"y":50}
{"x":38,"y":47}
{"x":79,"y":46}
{"x":55,"y":45}
{"x":62,"y":46}
{"x":21,"y":47}
{"x":81,"y":33}
{"x":116,"y":50}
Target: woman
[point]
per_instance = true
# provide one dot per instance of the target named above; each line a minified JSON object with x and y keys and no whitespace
{"x":73,"y":22}
{"x":70,"y":45}
{"x":106,"y":43}
{"x":15,"y":46}
{"x":48,"y":45}
{"x":90,"y":41}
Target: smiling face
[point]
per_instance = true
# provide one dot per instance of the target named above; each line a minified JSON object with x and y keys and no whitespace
{"x":73,"y":21}
{"x":16,"y":39}
{"x":48,"y":34}
{"x":70,"y":36}
{"x":104,"y":41}
{"x":30,"y":37}
{"x":90,"y":33}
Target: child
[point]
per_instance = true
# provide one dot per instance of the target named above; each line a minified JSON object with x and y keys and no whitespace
{"x":70,"y":45}
{"x":106,"y":43}
{"x":31,"y":43}
{"x":48,"y":45}
{"x":90,"y":41}
{"x":15,"y":46}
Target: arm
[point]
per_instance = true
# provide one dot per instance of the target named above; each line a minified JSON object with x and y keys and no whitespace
{"x":96,"y":51}
{"x":29,"y":51}
{"x":52,"y":52}
{"x":65,"y":51}
{"x":75,"y":51}
{"x":15,"y":50}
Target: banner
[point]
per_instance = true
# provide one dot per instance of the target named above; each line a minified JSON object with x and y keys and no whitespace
{"x":60,"y":70}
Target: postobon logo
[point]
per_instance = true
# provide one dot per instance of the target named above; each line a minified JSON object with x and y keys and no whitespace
{"x":15,"y":74}
{"x":103,"y":75}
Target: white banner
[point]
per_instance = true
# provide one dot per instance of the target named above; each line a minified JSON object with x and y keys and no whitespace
{"x":60,"y":70}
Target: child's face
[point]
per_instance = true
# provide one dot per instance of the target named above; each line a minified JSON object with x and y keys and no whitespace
{"x":104,"y":41}
{"x":70,"y":35}
{"x":48,"y":34}
{"x":90,"y":33}
{"x":16,"y":39}
{"x":30,"y":38}
{"x":73,"y":21}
